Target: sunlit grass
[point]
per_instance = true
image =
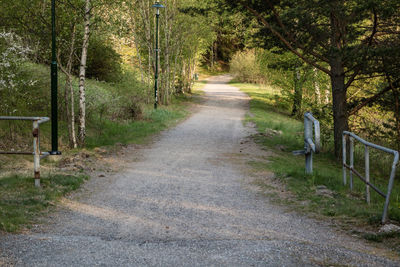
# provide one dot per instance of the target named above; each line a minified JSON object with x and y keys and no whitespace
{"x":135,"y":132}
{"x":266,"y":113}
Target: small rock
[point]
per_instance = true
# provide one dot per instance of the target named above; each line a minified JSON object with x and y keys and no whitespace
{"x":325,"y":192}
{"x":320,"y":187}
{"x":102,"y":175}
{"x":389,"y":228}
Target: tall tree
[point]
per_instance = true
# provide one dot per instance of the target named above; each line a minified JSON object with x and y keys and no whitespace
{"x":336,"y":37}
{"x":82,"y":76}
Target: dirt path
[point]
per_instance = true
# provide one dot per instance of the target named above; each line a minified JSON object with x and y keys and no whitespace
{"x":187,"y":201}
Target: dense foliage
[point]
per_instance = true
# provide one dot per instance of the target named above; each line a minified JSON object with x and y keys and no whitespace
{"x":109,"y":41}
{"x":354,"y":43}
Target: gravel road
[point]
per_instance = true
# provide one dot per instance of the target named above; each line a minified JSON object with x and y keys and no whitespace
{"x":186,"y":200}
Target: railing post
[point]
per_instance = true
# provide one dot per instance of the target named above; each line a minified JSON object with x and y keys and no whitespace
{"x":367,"y":194}
{"x":311,"y":145}
{"x":366,"y":177}
{"x":390,"y":186}
{"x":351,"y":162}
{"x":36,"y":153}
{"x":344,"y":157}
{"x":308,"y":151}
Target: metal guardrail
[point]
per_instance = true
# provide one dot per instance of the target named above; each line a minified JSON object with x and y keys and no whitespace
{"x":366,"y":179}
{"x":310,"y":146}
{"x":37,"y":155}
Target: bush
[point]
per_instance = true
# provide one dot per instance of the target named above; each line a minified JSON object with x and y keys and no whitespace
{"x":14,"y":88}
{"x":104,"y":63}
{"x":132,"y":95}
{"x":247,"y":68}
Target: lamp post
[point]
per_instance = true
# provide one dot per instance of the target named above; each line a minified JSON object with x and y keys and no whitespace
{"x":157,"y":5}
{"x":54,"y":82}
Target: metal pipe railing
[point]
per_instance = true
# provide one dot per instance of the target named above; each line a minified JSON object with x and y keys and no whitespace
{"x":37,"y":155}
{"x":366,"y":178}
{"x":310,"y":146}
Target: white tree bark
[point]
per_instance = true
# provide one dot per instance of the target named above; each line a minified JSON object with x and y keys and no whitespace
{"x":327,"y":94}
{"x":166,"y":55}
{"x":316,"y":86}
{"x":82,"y":76}
{"x":69,"y":92}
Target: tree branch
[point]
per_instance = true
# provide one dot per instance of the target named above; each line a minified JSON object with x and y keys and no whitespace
{"x":374,"y":97}
{"x":290,"y":35}
{"x":369,"y":43}
{"x":283,"y":39}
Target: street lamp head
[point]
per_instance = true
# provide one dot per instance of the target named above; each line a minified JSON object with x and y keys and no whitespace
{"x":158,"y":5}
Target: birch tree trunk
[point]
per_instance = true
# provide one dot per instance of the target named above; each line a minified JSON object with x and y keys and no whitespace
{"x":149,"y":43}
{"x":327,"y":94}
{"x":166,"y":55}
{"x":316,"y":87}
{"x":175,"y":66}
{"x":82,"y":76}
{"x":69,"y":92}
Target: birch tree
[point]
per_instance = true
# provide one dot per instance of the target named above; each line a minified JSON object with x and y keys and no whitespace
{"x":82,"y":75}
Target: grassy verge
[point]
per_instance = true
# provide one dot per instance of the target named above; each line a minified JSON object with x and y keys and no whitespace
{"x":310,"y":191}
{"x":106,"y":133}
{"x":21,"y":202}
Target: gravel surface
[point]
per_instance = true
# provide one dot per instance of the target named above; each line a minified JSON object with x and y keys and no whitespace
{"x":186,"y":200}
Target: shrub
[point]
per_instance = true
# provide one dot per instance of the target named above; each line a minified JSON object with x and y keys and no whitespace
{"x":247,"y":68}
{"x":104,"y":63}
{"x":14,"y":88}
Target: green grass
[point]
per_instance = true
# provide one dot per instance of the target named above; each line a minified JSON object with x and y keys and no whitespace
{"x":109,"y":133}
{"x":266,"y":113}
{"x":103,"y":100}
{"x":21,"y":202}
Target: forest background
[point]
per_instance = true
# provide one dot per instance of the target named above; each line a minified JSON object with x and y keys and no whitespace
{"x":338,"y":59}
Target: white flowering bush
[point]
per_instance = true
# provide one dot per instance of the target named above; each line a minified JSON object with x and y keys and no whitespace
{"x":13,"y":85}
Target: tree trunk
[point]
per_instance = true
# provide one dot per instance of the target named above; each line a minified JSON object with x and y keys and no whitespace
{"x":177,"y":54}
{"x":316,"y":87}
{"x":327,"y":94}
{"x":212,"y":56}
{"x":69,"y":92}
{"x":82,"y":77}
{"x":167,"y":32}
{"x":339,"y":107}
{"x":147,"y":24}
{"x":339,"y":90}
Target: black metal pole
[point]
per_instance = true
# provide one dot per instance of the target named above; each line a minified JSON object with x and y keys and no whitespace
{"x":156,"y":71}
{"x":54,"y":83}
